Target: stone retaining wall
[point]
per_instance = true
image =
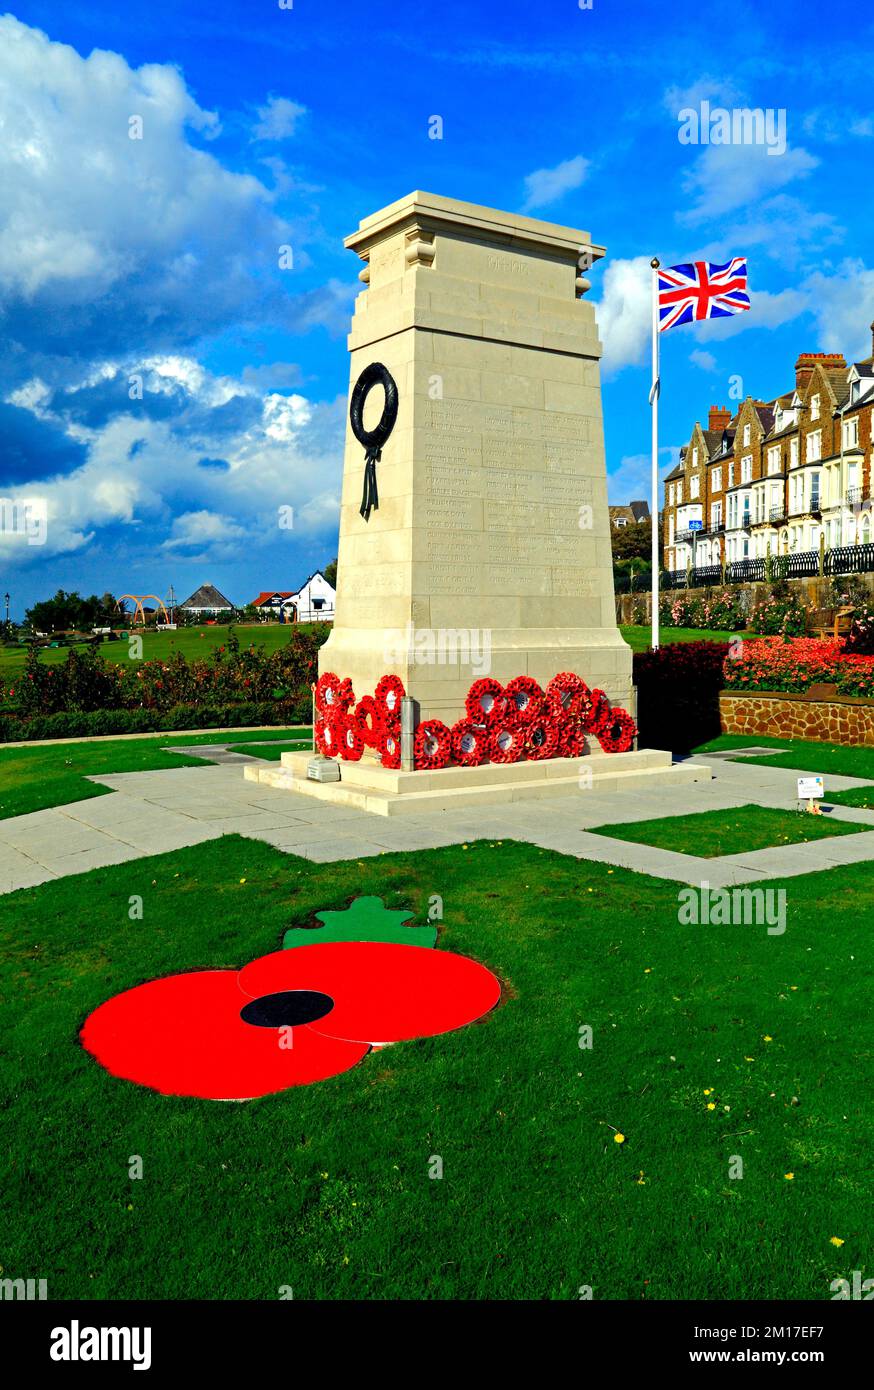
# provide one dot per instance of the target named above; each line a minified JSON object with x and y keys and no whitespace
{"x":837,"y":719}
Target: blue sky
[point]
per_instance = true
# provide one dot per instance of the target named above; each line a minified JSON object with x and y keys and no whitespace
{"x":166,"y":387}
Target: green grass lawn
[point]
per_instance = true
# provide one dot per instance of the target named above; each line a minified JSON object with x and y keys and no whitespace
{"x":54,"y":775}
{"x":326,"y":1188}
{"x":638,"y":638}
{"x":273,"y":753}
{"x":709,"y":834}
{"x":191,"y":641}
{"x":805,"y":755}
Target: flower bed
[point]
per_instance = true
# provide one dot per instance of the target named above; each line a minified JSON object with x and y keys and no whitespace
{"x":794,"y":666}
{"x":86,"y":693}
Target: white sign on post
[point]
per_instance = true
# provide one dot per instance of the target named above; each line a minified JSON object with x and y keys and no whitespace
{"x":810,"y":787}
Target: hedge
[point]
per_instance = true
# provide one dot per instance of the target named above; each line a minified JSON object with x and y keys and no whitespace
{"x":678,"y":694}
{"x":88,"y":724}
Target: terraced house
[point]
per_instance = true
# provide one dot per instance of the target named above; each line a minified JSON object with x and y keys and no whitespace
{"x":782,"y":478}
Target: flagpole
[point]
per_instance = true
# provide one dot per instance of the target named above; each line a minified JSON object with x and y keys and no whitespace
{"x":654,"y":403}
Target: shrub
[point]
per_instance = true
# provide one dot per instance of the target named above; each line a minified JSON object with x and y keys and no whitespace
{"x":92,"y":724}
{"x":678,"y":694}
{"x":793,"y":666}
{"x":782,"y":613}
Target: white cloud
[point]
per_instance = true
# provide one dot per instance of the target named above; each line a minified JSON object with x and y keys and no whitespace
{"x":624,"y":313}
{"x":546,"y":186}
{"x":705,"y":360}
{"x":843,"y":307}
{"x":111,"y":239}
{"x":277,"y":451}
{"x":725,"y":177}
{"x":278,"y":119}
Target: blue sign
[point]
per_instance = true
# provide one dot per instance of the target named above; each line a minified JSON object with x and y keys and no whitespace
{"x":696,"y":525}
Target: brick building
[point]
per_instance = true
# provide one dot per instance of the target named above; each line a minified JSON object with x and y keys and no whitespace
{"x":778,"y":475}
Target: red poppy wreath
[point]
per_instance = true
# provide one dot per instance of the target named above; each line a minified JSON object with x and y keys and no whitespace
{"x":617,"y":733}
{"x":433,"y":744}
{"x":567,"y":695}
{"x":390,"y":745}
{"x":333,"y":696}
{"x":369,"y":719}
{"x":330,"y":732}
{"x":287,"y":1019}
{"x":388,"y":695}
{"x":485,"y":701}
{"x":470,"y":743}
{"x":524,"y":699}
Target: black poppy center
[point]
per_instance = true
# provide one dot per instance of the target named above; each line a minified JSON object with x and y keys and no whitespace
{"x":288,"y":1007}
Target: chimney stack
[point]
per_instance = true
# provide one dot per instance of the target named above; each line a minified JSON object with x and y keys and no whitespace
{"x":719,"y":418}
{"x":832,"y":361}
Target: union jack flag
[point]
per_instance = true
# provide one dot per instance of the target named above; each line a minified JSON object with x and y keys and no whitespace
{"x":700,"y":290}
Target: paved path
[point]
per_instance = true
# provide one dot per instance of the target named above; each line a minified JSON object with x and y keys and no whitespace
{"x":152,"y":812}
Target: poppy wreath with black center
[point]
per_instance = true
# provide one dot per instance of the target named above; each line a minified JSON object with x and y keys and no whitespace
{"x":328,"y":688}
{"x":618,"y":733}
{"x":470,"y":743}
{"x":599,"y":712}
{"x":572,"y":740}
{"x":286,"y":1019}
{"x":567,"y":696}
{"x":390,"y":744}
{"x":330,"y":733}
{"x":351,"y":744}
{"x":433,"y":746}
{"x":541,"y":740}
{"x":485,"y":702}
{"x":369,"y":718}
{"x":524,"y":699}
{"x":388,"y":695}
{"x":346,"y":694}
{"x":507,"y":742}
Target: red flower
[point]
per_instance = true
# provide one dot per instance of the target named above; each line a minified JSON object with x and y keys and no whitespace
{"x":330,"y":733}
{"x":524,"y":699}
{"x":286,"y":1019}
{"x":470,"y":743}
{"x":329,"y":693}
{"x":369,"y":719}
{"x":599,"y":712}
{"x":351,"y":744}
{"x":390,"y":745}
{"x":567,"y":695}
{"x":485,"y":702}
{"x":572,"y":739}
{"x":388,"y":695}
{"x":618,"y":733}
{"x":507,"y":742}
{"x":541,"y":740}
{"x":433,"y":744}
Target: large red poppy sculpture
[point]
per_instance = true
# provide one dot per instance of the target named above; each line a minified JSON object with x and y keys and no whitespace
{"x":286,"y":1019}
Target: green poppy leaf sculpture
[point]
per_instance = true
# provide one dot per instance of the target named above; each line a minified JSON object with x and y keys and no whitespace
{"x":302,"y":1014}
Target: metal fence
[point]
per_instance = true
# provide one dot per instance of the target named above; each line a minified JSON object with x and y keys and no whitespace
{"x":843,"y":559}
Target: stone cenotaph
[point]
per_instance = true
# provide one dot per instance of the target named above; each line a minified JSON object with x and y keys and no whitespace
{"x":474,"y":531}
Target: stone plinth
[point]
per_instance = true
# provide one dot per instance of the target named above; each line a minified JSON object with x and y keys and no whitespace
{"x":385,"y":792}
{"x":492,"y":532}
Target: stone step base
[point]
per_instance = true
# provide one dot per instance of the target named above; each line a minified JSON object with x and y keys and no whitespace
{"x":385,"y":792}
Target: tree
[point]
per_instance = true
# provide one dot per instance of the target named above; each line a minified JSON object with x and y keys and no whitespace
{"x":330,"y":573}
{"x":71,"y":610}
{"x":632,"y":541}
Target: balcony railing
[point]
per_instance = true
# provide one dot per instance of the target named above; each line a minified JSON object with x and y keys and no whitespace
{"x":778,"y":514}
{"x":854,"y":496}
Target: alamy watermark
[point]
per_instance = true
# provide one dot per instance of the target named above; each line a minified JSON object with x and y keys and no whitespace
{"x":733,"y":907}
{"x":742,"y":125}
{"x":440,"y":646}
{"x":27,"y":518}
